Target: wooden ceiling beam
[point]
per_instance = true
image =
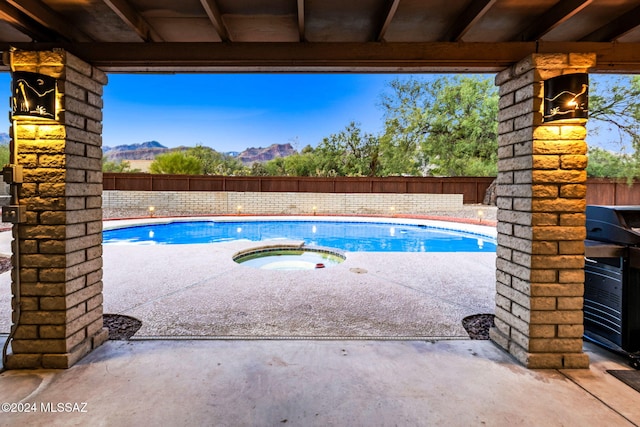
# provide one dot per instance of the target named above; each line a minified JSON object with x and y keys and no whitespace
{"x":392,"y":7}
{"x":213,"y":12}
{"x":555,"y":16}
{"x":24,"y":24}
{"x":473,"y":13}
{"x":616,"y":28}
{"x":133,"y":19}
{"x":301,"y":21}
{"x":46,"y":17}
{"x":334,"y":57}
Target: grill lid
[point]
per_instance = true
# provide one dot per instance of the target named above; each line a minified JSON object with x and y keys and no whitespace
{"x":615,"y":224}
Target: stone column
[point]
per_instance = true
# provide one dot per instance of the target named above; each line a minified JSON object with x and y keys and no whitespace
{"x":60,"y":244}
{"x":541,"y":221}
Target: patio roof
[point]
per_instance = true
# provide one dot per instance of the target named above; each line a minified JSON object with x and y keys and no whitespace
{"x":324,"y":35}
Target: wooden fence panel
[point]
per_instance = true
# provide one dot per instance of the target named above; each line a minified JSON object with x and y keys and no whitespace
{"x":199,"y":183}
{"x":240,"y":183}
{"x":355,"y":185}
{"x":316,"y":185}
{"x":600,"y":191}
{"x":626,"y":194}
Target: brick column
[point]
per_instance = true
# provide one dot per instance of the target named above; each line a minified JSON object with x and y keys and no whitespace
{"x":541,"y":221}
{"x":60,"y":245}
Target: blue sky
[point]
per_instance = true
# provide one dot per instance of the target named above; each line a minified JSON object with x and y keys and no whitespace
{"x":231,"y":112}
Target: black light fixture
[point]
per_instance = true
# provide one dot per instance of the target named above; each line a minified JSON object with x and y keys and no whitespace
{"x":566,"y":97}
{"x":33,"y":95}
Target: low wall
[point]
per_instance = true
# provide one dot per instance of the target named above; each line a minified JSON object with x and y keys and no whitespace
{"x":280,"y":203}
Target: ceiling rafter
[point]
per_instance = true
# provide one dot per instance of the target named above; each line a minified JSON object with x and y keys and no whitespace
{"x":616,"y":28}
{"x":336,"y":57}
{"x":390,"y":13}
{"x":555,"y":16}
{"x":213,"y":12}
{"x":133,"y":19}
{"x":473,"y":13}
{"x":301,"y":20}
{"x":24,"y":24}
{"x":46,"y":17}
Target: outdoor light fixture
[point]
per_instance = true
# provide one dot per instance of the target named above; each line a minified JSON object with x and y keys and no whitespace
{"x":566,"y":97}
{"x":33,"y":95}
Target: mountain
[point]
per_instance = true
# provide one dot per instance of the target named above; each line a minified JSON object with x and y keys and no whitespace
{"x":144,"y":151}
{"x":150,"y":149}
{"x":261,"y":155}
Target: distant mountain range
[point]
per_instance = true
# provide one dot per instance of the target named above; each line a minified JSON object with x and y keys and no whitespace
{"x":150,"y":149}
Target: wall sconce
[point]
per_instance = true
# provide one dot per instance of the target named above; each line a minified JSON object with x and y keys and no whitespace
{"x":33,"y":95}
{"x":566,"y":97}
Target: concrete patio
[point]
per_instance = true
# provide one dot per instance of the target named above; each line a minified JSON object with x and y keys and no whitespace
{"x":318,"y":383}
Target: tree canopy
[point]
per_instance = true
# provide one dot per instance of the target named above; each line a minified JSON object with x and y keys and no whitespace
{"x":176,"y":162}
{"x":433,"y":126}
{"x":448,"y":126}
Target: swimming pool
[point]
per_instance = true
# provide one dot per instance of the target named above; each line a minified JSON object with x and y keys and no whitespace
{"x":347,"y":235}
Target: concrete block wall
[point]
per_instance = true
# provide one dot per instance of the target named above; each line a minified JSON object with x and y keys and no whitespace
{"x":541,"y":221}
{"x":281,"y":203}
{"x":60,"y":245}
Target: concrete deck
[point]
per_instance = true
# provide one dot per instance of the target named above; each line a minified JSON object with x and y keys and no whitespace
{"x":317,"y":383}
{"x":199,"y":291}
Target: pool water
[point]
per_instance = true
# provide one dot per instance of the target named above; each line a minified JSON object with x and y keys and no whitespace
{"x":350,"y":236}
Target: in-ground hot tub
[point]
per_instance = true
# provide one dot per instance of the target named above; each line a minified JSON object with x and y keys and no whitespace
{"x":285,"y":257}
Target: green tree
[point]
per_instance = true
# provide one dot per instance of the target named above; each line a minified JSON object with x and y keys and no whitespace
{"x":349,"y":152}
{"x":5,"y":154}
{"x":216,"y":163}
{"x":614,"y":106}
{"x":606,"y":164}
{"x":404,"y":111}
{"x":176,"y":162}
{"x":121,"y":166}
{"x":447,"y":126}
{"x":299,"y":164}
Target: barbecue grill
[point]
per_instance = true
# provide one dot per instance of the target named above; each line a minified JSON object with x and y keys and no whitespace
{"x":612,"y":278}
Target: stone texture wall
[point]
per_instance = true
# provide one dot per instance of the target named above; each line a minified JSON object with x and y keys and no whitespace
{"x":281,"y":203}
{"x":541,"y":221}
{"x":60,"y":245}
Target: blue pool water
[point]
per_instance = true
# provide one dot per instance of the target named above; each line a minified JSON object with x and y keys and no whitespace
{"x":347,"y":236}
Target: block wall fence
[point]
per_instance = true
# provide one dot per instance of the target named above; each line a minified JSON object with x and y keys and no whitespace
{"x":200,"y":202}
